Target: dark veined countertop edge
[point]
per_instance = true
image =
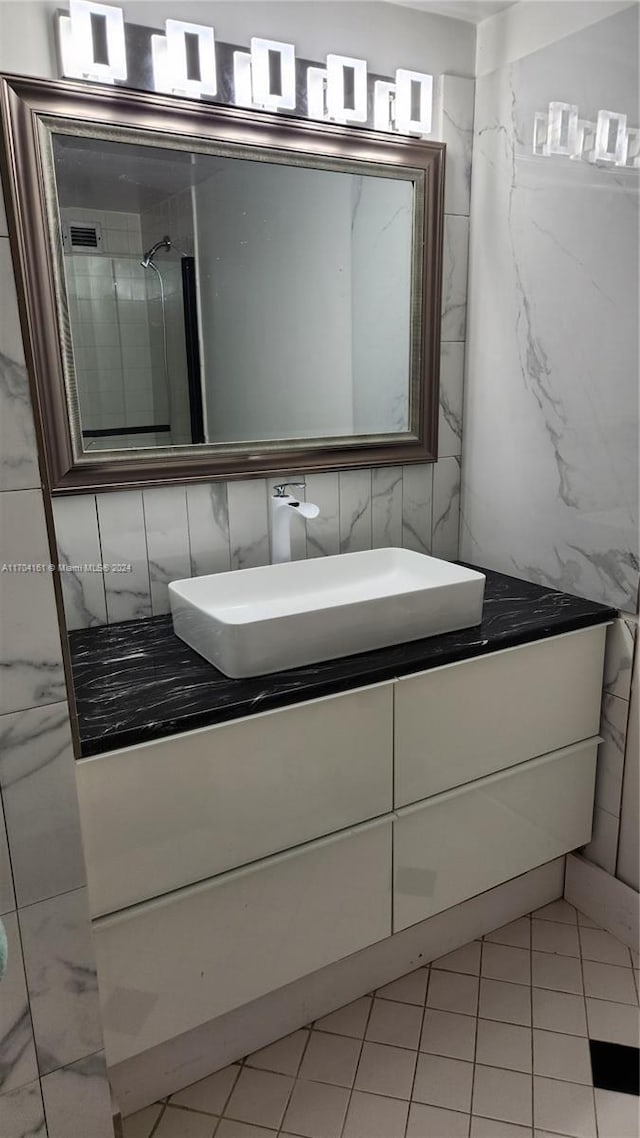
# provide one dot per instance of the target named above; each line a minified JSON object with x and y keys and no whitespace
{"x":182,"y":692}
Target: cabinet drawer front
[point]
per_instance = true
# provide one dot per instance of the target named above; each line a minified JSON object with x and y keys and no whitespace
{"x":458,"y":723}
{"x":170,"y":813}
{"x":169,"y":965}
{"x":456,"y":845}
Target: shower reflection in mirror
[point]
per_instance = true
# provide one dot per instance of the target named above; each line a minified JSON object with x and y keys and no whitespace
{"x":134,"y":332}
{"x":217,"y":299}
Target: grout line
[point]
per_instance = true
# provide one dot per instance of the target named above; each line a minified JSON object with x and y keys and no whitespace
{"x":355,"y":1074}
{"x":157,"y":1121}
{"x":533,"y":1105}
{"x":99,"y":536}
{"x":475,"y":1042}
{"x":296,"y":1076}
{"x":418,"y":1051}
{"x":226,"y":1101}
{"x":584,"y":997}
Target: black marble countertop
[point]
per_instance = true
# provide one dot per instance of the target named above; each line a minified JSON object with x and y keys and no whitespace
{"x":137,"y":681}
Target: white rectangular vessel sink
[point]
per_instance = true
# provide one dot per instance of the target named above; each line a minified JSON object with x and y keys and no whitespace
{"x":252,"y":622}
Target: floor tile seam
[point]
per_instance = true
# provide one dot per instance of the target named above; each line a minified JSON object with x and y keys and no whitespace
{"x":607,"y":963}
{"x":593,"y":1090}
{"x":560,"y":1133}
{"x":475,"y":1043}
{"x":194,"y":1109}
{"x":583,"y":928}
{"x":233,"y":1086}
{"x":531,"y":1014}
{"x":536,"y":915}
{"x":587,"y":995}
{"x":158,"y":1119}
{"x":606,"y":1000}
{"x":418,"y":1052}
{"x":295,"y":1079}
{"x":355,"y":1075}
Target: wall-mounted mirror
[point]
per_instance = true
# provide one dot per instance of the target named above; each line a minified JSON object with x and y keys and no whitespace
{"x":216,"y":292}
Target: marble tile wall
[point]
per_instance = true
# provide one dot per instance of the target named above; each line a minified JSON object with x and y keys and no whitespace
{"x":52,"y":1069}
{"x":550,"y":466}
{"x":616,"y":750}
{"x":162,"y":534}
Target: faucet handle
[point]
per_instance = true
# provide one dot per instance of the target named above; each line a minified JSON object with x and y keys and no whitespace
{"x":280,"y":491}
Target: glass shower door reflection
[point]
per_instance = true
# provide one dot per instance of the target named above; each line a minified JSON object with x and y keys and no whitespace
{"x":130,"y":351}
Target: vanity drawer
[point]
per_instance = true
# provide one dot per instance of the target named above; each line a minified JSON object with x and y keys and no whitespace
{"x":466,"y":720}
{"x":459,"y":844}
{"x":179,"y":810}
{"x":169,"y":965}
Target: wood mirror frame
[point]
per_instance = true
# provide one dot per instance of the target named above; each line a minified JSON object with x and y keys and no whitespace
{"x":30,"y":108}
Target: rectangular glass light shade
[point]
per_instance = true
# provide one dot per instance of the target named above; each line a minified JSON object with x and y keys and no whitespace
{"x":77,"y":45}
{"x":280,"y":95}
{"x":346,"y":88}
{"x":562,"y":130}
{"x":177,"y":66}
{"x":414,"y":102}
{"x":242,"y":91}
{"x":383,"y":101}
{"x":162,"y":80}
{"x":585,"y":137}
{"x":632,"y":148}
{"x":316,"y":93}
{"x":611,"y":139}
{"x":540,"y":131}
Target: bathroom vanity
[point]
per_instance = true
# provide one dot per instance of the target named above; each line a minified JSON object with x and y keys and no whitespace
{"x":290,"y":820}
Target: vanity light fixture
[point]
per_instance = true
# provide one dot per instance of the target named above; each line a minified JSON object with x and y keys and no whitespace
{"x":632,"y":155}
{"x":413,"y":102}
{"x":347,"y":89}
{"x":607,"y":142}
{"x":92,"y":42}
{"x":273,"y":74}
{"x":562,"y":129}
{"x":266,"y":77}
{"x":242,"y":82}
{"x":184,"y":60}
{"x":384,"y":94}
{"x":584,"y":140}
{"x":611,"y":142}
{"x":317,"y":93}
{"x":406,"y":105}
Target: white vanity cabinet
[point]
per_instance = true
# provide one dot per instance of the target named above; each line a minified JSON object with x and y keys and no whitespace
{"x":171,"y":964}
{"x":466,"y":720}
{"x":182,"y":809}
{"x":458,"y":844}
{"x":227,"y":862}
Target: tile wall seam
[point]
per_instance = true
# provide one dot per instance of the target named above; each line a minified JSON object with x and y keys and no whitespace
{"x":102,"y":577}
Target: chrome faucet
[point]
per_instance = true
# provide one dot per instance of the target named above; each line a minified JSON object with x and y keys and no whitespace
{"x":282,"y":508}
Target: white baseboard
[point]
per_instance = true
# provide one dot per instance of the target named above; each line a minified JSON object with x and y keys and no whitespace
{"x":607,"y":900}
{"x":175,"y":1064}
